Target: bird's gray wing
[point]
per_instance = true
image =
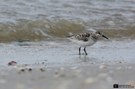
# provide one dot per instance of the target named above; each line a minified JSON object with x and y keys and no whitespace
{"x":83,"y":36}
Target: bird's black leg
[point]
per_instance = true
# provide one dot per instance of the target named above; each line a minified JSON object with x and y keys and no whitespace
{"x":79,"y":50}
{"x":85,"y":50}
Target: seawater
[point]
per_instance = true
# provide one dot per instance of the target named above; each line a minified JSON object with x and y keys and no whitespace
{"x":34,"y":20}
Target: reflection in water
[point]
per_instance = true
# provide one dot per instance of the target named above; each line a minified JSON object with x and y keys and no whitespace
{"x":85,"y":59}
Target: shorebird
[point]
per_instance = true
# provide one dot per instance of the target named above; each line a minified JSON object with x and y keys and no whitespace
{"x":86,"y":39}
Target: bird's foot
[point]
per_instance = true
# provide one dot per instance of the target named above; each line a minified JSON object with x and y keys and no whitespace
{"x":83,"y":54}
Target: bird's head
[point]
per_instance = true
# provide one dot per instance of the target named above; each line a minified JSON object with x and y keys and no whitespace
{"x":99,"y":34}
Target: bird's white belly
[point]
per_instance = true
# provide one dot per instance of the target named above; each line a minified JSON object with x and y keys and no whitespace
{"x":84,"y":43}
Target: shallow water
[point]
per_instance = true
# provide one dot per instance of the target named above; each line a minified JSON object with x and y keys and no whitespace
{"x":107,"y":63}
{"x":59,"y":54}
{"x":42,"y":19}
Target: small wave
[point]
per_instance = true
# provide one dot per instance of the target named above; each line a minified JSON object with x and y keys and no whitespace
{"x":29,"y":30}
{"x":123,"y":33}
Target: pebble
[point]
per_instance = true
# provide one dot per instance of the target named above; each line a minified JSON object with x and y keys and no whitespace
{"x":22,"y":70}
{"x":89,"y":80}
{"x":30,"y":69}
{"x":62,"y":75}
{"x":131,"y":82}
{"x":12,"y":63}
{"x":103,"y":66}
{"x":120,"y":62}
{"x":42,"y":69}
{"x":56,"y":72}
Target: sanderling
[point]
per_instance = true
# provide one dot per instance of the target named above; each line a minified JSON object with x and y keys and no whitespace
{"x":86,"y":39}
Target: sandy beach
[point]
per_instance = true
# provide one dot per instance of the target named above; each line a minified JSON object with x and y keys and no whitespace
{"x":57,"y":65}
{"x":35,"y":52}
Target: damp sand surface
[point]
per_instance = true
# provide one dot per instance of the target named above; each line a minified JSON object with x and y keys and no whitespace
{"x":57,"y":65}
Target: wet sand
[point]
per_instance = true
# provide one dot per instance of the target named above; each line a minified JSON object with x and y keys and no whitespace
{"x":57,"y":65}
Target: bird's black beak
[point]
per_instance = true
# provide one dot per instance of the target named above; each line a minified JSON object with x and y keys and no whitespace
{"x":105,"y":37}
